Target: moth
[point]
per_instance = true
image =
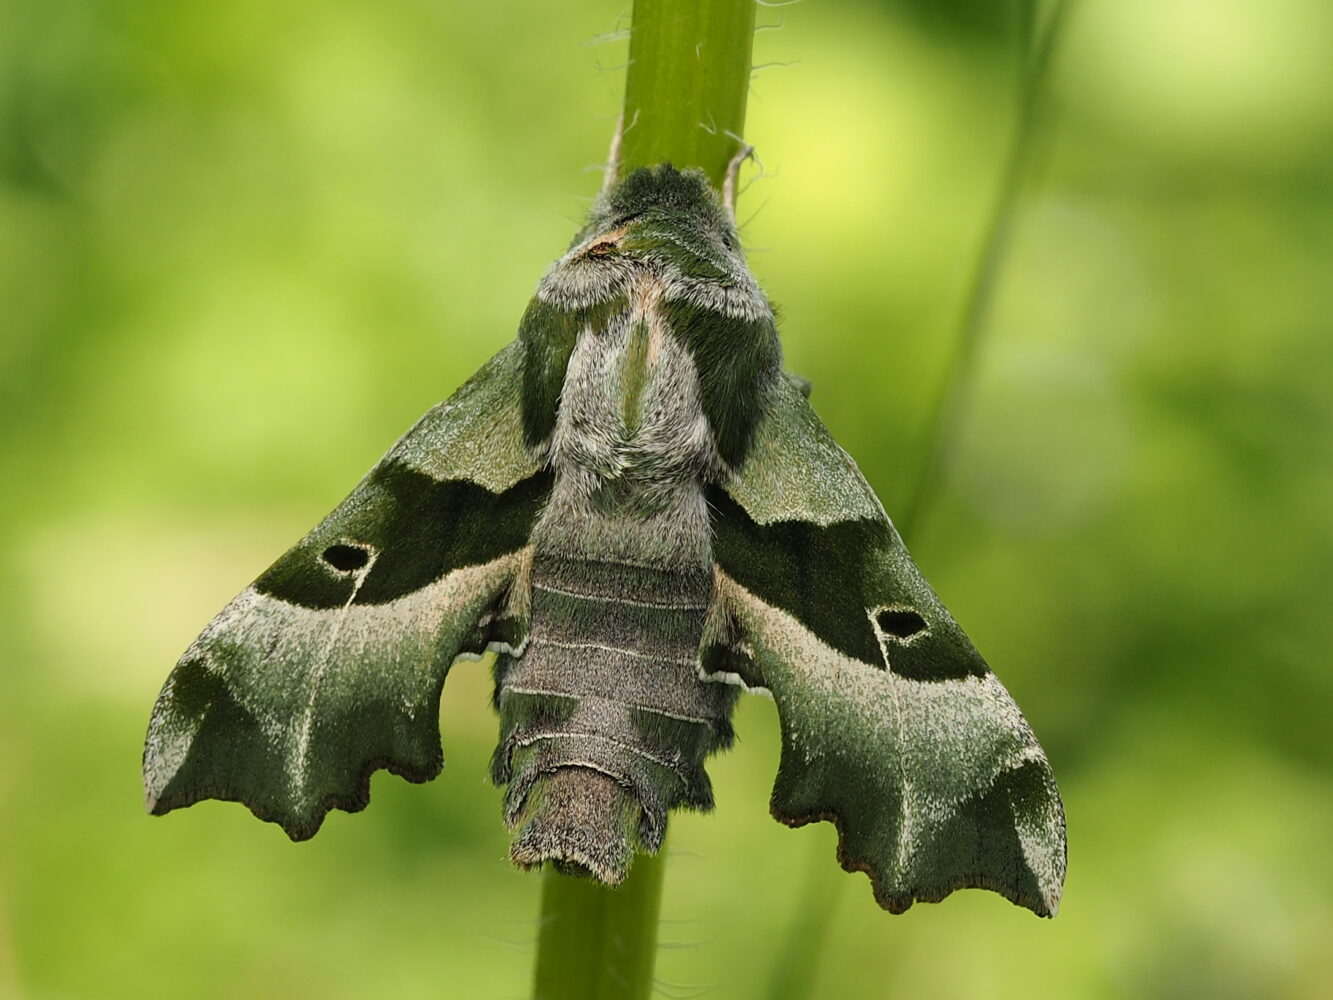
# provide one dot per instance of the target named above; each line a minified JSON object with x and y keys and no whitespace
{"x":639,"y":511}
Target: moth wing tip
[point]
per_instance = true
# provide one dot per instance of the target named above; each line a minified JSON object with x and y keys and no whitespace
{"x":1052,"y":900}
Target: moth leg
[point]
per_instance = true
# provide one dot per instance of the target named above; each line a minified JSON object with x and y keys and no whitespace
{"x":733,"y":171}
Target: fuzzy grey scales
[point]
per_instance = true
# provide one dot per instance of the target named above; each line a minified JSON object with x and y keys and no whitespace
{"x":643,"y":516}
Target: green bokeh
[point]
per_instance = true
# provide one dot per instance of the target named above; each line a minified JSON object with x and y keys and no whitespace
{"x":244,"y":245}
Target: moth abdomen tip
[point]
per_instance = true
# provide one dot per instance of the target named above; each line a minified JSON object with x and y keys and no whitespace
{"x":582,"y":821}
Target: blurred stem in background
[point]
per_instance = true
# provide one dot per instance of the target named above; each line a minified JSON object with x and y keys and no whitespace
{"x":793,"y":976}
{"x":1039,"y":39}
{"x":685,"y":93}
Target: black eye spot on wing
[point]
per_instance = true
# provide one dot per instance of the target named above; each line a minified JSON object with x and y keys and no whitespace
{"x":346,"y":558}
{"x":901,"y":624}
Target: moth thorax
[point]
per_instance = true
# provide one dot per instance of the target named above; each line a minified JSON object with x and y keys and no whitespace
{"x":630,"y":409}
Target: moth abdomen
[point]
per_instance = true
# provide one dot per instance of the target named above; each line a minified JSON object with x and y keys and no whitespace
{"x":608,"y":682}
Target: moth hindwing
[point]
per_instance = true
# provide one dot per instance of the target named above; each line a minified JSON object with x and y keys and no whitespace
{"x":642,"y":516}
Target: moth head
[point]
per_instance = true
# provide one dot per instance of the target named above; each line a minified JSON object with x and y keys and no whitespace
{"x":662,"y":204}
{"x":656,"y":222}
{"x":653,"y":240}
{"x":663,"y":191}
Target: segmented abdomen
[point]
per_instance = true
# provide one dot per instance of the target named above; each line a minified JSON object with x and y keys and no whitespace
{"x":608,"y":685}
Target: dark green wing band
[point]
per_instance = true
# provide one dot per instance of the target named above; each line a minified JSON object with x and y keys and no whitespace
{"x":893,"y":727}
{"x":331,"y":665}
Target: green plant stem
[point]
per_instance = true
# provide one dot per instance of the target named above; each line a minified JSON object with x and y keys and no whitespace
{"x":688,"y":79}
{"x":1039,"y":42}
{"x":685,"y":93}
{"x":797,"y":965}
{"x":596,"y":942}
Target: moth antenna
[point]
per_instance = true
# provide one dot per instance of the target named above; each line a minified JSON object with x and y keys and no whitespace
{"x":733,"y":171}
{"x":736,"y":193}
{"x":613,"y":154}
{"x":613,"y":157}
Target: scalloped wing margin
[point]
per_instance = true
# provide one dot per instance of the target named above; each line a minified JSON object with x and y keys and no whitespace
{"x":893,"y":727}
{"x":330,"y":666}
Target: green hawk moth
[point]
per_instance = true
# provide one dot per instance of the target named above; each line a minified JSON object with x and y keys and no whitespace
{"x":641,"y":514}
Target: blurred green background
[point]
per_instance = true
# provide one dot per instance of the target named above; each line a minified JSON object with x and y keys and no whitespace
{"x":244,"y":245}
